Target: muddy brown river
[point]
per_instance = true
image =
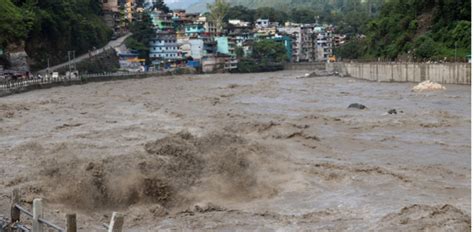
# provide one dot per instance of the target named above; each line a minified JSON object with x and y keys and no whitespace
{"x":242,"y":152}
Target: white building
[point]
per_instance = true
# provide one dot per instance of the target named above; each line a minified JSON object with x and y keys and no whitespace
{"x":239,"y":23}
{"x":323,"y":43}
{"x":302,"y":41}
{"x":209,"y":28}
{"x":262,"y":23}
{"x":192,"y":47}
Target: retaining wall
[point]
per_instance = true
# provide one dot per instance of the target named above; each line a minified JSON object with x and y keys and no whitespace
{"x":305,"y":66}
{"x":446,"y":73}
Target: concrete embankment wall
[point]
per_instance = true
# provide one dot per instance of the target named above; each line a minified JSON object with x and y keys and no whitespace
{"x":446,"y":73}
{"x":305,"y":66}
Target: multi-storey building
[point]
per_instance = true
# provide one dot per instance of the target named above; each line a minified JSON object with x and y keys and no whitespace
{"x":262,"y":23}
{"x":238,"y":32}
{"x":323,"y":43}
{"x":210,"y":28}
{"x":294,"y":32}
{"x":128,"y":8}
{"x":161,"y":21}
{"x":164,"y":48}
{"x":110,"y":12}
{"x":307,"y":43}
{"x":192,"y":48}
{"x":194,"y":30}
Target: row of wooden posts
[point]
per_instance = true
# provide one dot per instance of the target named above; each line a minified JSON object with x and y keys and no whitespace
{"x":39,"y":223}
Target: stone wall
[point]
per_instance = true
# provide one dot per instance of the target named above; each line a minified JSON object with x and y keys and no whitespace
{"x":17,"y":57}
{"x":446,"y":73}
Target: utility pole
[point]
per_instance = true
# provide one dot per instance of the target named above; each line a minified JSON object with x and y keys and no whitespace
{"x":73,"y":58}
{"x":69,"y":60}
{"x":47,"y":70}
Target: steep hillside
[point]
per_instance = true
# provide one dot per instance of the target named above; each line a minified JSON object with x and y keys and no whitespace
{"x":50,"y":28}
{"x":14,"y":23}
{"x":420,"y":29}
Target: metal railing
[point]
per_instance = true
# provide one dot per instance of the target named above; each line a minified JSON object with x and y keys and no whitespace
{"x":7,"y":85}
{"x":38,"y":223}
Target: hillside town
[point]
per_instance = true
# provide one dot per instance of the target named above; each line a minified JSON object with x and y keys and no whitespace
{"x":193,"y":40}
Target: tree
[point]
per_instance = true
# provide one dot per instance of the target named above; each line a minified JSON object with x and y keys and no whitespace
{"x":143,"y":32}
{"x":303,"y":16}
{"x":51,"y":28}
{"x":272,"y":14}
{"x":350,"y":50}
{"x":423,"y":28}
{"x":242,"y":13}
{"x":269,"y":51}
{"x":160,"y":5}
{"x":218,"y":12}
{"x":14,"y":23}
{"x":425,"y":47}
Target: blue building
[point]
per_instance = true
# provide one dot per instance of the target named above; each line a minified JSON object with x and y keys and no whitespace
{"x":164,"y":48}
{"x":194,"y":30}
{"x":222,"y":44}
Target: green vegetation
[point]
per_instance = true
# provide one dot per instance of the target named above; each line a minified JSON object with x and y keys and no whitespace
{"x":51,"y":28}
{"x":143,"y":32}
{"x":218,"y":11}
{"x":415,"y":29}
{"x":349,"y":15}
{"x":105,"y":62}
{"x":267,"y":55}
{"x":14,"y":23}
{"x":242,"y":13}
{"x":160,"y":5}
{"x":269,"y":51}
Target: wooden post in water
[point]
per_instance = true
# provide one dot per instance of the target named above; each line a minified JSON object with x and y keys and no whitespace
{"x":116,"y":223}
{"x":37,"y":213}
{"x":71,"y":223}
{"x":14,"y":211}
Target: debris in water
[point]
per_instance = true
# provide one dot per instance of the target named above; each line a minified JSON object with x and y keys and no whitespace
{"x":428,"y":86}
{"x":357,"y":106}
{"x":318,"y":73}
{"x":392,"y":111}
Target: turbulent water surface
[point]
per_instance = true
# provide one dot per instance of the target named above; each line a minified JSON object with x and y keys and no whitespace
{"x":248,"y":152}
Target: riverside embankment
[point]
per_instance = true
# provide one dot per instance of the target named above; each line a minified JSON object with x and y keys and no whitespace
{"x":445,"y":73}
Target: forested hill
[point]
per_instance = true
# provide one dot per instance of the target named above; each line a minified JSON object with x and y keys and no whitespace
{"x":350,"y":16}
{"x":51,"y":28}
{"x":327,"y":6}
{"x":419,"y":29}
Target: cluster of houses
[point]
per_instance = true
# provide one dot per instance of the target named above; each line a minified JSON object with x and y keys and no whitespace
{"x":190,"y":39}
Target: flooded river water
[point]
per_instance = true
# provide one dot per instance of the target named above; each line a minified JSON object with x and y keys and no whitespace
{"x":226,"y":152}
